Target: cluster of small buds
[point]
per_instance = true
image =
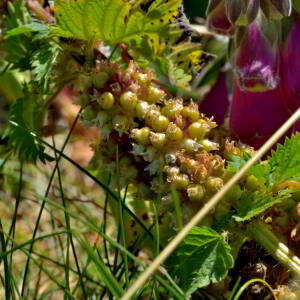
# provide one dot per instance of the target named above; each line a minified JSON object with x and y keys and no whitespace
{"x":152,"y":134}
{"x":140,"y":117}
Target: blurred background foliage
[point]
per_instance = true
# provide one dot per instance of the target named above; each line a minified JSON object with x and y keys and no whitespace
{"x":195,"y":8}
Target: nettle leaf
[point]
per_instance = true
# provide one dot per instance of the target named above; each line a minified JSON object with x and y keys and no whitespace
{"x":43,"y":61}
{"x":254,"y":203}
{"x":28,"y":28}
{"x":285,"y":161}
{"x":26,"y":42}
{"x":18,"y":48}
{"x":201,"y":259}
{"x":25,"y":119}
{"x":114,"y":21}
{"x":260,"y":170}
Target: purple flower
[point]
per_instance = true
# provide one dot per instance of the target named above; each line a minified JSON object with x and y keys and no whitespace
{"x":254,"y":117}
{"x":290,"y":67}
{"x":255,"y":58}
{"x":276,"y":9}
{"x":242,"y":12}
{"x":216,"y":102}
{"x":217,"y":20}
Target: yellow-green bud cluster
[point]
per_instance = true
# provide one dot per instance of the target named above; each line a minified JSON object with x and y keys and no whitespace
{"x":161,"y":133}
{"x":161,"y":141}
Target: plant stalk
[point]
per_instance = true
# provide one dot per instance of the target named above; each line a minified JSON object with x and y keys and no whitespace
{"x":267,"y":239}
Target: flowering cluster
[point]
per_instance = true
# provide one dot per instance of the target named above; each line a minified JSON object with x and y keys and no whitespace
{"x":264,"y":54}
{"x":151,"y":141}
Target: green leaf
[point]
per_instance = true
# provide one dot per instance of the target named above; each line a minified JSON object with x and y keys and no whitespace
{"x":25,"y":118}
{"x":114,"y":21}
{"x":43,"y":61}
{"x":255,"y":203}
{"x":27,"y":28}
{"x":285,"y":161}
{"x":18,"y":49}
{"x":202,"y":258}
{"x":260,"y":170}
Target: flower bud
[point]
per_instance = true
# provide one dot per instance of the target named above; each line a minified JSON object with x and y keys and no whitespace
{"x":172,"y":109}
{"x":191,"y":112}
{"x":142,"y":108}
{"x":140,"y":135}
{"x":157,"y":140}
{"x":190,"y":145}
{"x":180,"y":181}
{"x":198,"y":130}
{"x":217,"y":19}
{"x":196,"y":192}
{"x":242,"y":12}
{"x":155,"y":94}
{"x":276,"y":9}
{"x":214,"y":184}
{"x":100,"y":79}
{"x":128,"y":101}
{"x":159,"y":123}
{"x":256,"y":55}
{"x":173,"y":132}
{"x":106,"y":100}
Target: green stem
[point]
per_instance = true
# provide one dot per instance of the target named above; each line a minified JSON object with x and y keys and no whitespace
{"x":267,"y":239}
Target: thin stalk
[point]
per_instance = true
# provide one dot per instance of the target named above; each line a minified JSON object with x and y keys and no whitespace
{"x":7,"y":274}
{"x":69,"y":236}
{"x":12,"y":229}
{"x":37,"y":285}
{"x":104,"y":226}
{"x":20,"y":246}
{"x":18,"y":199}
{"x":267,"y":239}
{"x":242,"y":289}
{"x":58,"y":264}
{"x":67,"y":260}
{"x":121,"y":219}
{"x":208,"y":206}
{"x":44,"y":202}
{"x":111,"y":193}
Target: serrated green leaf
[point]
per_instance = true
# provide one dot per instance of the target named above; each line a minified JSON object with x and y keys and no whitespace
{"x":43,"y":61}
{"x":202,"y":258}
{"x":25,"y":117}
{"x":260,"y":170}
{"x":18,"y":49}
{"x":254,"y":203}
{"x":113,"y":21}
{"x":27,"y":28}
{"x":285,"y":161}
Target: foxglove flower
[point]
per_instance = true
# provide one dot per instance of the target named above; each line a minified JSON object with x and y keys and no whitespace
{"x":242,"y":12}
{"x":276,"y":9}
{"x":216,"y":102}
{"x":290,"y":67}
{"x":255,"y":56}
{"x":254,"y":117}
{"x":217,"y":20}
